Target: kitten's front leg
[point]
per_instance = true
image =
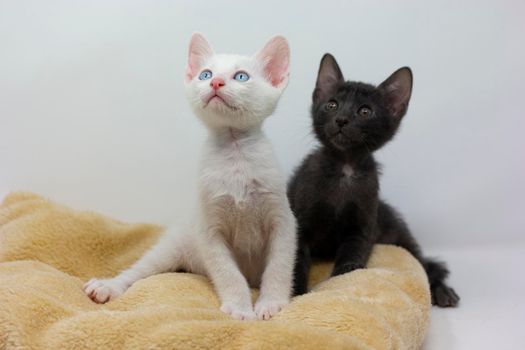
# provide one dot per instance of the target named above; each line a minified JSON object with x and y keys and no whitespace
{"x":276,"y":284}
{"x":229,"y":282}
{"x":303,"y":261}
{"x":353,"y":251}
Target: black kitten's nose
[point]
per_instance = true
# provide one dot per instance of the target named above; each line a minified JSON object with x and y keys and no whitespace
{"x":341,"y":121}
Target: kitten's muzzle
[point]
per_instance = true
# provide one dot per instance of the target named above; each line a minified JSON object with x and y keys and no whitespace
{"x":341,"y":121}
{"x":216,"y":83}
{"x":215,"y":95}
{"x":341,"y":134}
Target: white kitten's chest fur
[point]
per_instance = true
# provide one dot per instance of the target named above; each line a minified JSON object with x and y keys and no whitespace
{"x":241,"y":188}
{"x":239,"y":166}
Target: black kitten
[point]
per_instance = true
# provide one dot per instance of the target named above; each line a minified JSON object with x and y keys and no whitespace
{"x":334,"y":193}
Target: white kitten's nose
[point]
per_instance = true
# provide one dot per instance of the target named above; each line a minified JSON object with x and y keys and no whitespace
{"x":216,"y":83}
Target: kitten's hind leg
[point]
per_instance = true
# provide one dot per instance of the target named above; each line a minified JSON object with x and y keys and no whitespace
{"x":166,"y":255}
{"x":394,"y":230}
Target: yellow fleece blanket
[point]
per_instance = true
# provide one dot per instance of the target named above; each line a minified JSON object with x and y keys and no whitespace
{"x":48,"y":251}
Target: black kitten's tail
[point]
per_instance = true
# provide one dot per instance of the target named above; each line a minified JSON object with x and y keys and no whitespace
{"x":442,"y":295}
{"x":394,"y":230}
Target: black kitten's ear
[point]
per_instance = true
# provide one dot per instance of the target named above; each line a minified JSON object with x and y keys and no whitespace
{"x":397,"y":90}
{"x":328,"y":77}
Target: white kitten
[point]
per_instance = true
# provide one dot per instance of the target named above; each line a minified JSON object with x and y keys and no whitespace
{"x":244,"y":233}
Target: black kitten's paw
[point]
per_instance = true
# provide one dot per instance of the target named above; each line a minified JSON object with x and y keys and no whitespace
{"x":299,"y":290}
{"x":345,"y":268}
{"x":444,"y":296}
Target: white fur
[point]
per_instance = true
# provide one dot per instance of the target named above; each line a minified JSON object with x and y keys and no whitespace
{"x":348,"y":170}
{"x":244,"y":233}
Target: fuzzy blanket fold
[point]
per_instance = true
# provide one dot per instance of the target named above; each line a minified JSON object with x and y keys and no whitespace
{"x":47,"y":252}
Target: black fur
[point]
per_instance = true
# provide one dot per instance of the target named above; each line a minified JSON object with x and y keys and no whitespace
{"x":334,"y":193}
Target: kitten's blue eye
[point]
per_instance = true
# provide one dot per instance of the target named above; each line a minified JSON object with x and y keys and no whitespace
{"x":205,"y":75}
{"x":241,"y":76}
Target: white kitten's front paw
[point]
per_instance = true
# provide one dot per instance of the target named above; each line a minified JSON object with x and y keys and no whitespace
{"x":266,"y":308}
{"x":102,"y":291}
{"x":237,"y":312}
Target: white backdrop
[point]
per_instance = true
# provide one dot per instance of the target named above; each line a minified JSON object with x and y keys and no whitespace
{"x":93,"y":112}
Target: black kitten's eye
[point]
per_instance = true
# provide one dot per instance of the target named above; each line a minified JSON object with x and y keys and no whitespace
{"x":364,"y":111}
{"x":331,"y":105}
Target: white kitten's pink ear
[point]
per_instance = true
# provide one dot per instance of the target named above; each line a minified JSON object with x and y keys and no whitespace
{"x":275,"y":59}
{"x":396,"y":90}
{"x":199,"y":52}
